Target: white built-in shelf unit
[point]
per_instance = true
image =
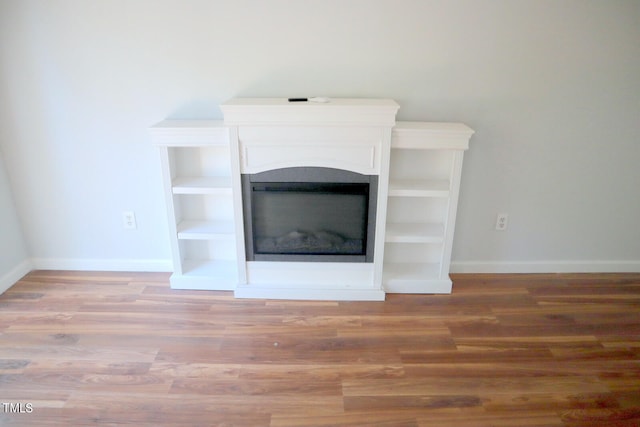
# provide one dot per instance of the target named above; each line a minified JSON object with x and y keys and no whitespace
{"x":418,"y":164}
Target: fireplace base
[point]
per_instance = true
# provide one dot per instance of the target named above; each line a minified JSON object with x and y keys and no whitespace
{"x":310,"y":280}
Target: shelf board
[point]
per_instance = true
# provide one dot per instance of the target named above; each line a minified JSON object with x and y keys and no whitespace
{"x":202,"y":185}
{"x":414,"y":233}
{"x":190,"y":133}
{"x":419,"y":188}
{"x":217,"y":269}
{"x":410,"y":272}
{"x":206,"y":275}
{"x":205,"y":230}
{"x":415,"y":278}
{"x":430,"y":135}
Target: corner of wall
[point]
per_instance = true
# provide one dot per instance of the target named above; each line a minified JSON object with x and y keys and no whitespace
{"x":14,"y":256}
{"x":18,"y":272}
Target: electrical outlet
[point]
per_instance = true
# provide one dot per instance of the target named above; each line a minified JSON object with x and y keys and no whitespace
{"x":129,"y":220}
{"x":502,"y":221}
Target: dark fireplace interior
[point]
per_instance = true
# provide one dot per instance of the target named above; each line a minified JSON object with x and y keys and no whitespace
{"x":309,"y":214}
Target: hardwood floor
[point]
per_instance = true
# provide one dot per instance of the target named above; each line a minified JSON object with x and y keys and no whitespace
{"x":80,"y":348}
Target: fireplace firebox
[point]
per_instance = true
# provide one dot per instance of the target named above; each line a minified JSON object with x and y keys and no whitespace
{"x":310,"y":214}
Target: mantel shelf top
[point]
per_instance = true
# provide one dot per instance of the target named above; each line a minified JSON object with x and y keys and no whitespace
{"x":336,"y":111}
{"x":348,"y":102}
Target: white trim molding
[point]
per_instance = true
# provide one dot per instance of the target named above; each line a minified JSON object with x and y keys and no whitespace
{"x":597,"y":266}
{"x":138,"y":265}
{"x":17,"y":273}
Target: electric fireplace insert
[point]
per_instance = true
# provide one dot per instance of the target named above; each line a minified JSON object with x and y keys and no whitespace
{"x":309,"y":214}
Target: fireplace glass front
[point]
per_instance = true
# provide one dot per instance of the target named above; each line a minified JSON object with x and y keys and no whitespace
{"x":309,"y":214}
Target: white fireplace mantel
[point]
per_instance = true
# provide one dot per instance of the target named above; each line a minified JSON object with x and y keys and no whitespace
{"x":335,"y":112}
{"x":418,"y":165}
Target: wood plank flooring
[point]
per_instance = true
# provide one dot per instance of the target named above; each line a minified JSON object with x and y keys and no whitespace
{"x":80,"y":349}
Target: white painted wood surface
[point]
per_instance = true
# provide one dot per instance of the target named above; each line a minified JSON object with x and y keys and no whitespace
{"x":419,"y":166}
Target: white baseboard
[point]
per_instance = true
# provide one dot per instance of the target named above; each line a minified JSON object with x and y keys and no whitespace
{"x":165,"y":265}
{"x":9,"y":279}
{"x":150,"y":265}
{"x":546,"y":267}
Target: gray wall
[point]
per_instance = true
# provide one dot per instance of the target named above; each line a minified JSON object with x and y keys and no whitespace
{"x":551,"y":88}
{"x":13,"y":252}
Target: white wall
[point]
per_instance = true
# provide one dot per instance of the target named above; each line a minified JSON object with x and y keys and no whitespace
{"x":14,"y":259}
{"x":551,"y":88}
